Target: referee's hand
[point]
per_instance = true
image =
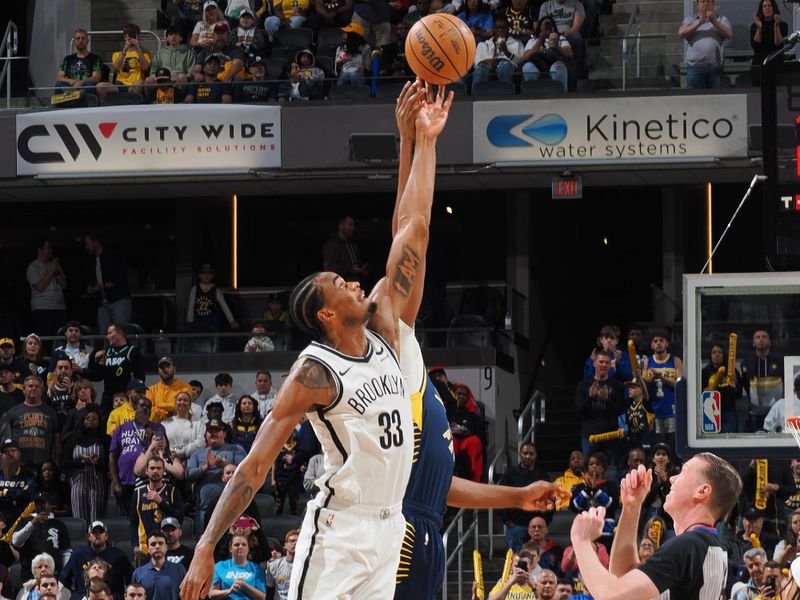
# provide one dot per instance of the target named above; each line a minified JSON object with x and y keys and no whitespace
{"x":588,"y":525}
{"x":635,"y":486}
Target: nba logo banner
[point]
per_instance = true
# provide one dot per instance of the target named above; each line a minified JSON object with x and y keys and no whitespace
{"x":712,"y":417}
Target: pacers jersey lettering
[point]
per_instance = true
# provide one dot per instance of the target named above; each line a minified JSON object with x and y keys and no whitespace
{"x":366,"y":433}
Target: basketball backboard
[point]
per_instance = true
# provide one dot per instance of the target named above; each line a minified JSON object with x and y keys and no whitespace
{"x":716,"y":306}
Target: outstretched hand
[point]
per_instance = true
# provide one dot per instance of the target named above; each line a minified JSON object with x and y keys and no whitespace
{"x":542,"y":496}
{"x":635,"y":486}
{"x":433,"y":115}
{"x":409,"y":103}
{"x":588,"y":525}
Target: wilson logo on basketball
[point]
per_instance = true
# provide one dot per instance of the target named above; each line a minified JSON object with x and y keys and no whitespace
{"x":429,"y":53}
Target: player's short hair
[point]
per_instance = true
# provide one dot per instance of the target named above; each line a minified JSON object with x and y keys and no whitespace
{"x":304,"y":303}
{"x":725,"y":483}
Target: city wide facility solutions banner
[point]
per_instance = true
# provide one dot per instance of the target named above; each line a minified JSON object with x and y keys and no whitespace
{"x":610,"y":130}
{"x":131,"y":139}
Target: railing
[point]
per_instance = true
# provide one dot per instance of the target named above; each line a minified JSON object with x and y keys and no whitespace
{"x":501,"y":454}
{"x":457,"y":554}
{"x":632,"y":32}
{"x":8,"y":51}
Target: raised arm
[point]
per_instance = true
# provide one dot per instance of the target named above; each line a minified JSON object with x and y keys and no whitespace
{"x":633,"y":491}
{"x":308,"y":386}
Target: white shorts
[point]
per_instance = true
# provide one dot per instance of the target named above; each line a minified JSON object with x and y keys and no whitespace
{"x":347,"y":553}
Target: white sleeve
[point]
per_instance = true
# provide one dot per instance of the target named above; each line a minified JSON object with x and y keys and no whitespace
{"x":224,"y":305}
{"x":774,"y":418}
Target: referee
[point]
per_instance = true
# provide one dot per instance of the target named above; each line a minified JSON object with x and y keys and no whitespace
{"x":692,"y":565}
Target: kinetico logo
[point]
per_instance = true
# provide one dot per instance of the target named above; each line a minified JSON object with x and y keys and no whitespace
{"x":549,"y":129}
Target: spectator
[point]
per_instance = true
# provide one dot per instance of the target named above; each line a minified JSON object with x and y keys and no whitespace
{"x":704,"y":33}
{"x":231,"y":58}
{"x":117,"y":365}
{"x":636,"y":457}
{"x":547,"y":52}
{"x":374,"y":17}
{"x":766,"y":35}
{"x":17,"y":484}
{"x":59,"y":390}
{"x":161,"y":90}
{"x":499,"y":55}
{"x":206,"y":465}
{"x":636,"y":335}
{"x":517,"y":586}
{"x":259,"y":342}
{"x":393,"y":61}
{"x":247,"y":525}
{"x":563,"y":589}
{"x":44,"y":584}
{"x":598,"y":401}
{"x":646,"y":549}
{"x":174,"y":473}
{"x":292,"y":87}
{"x":223,"y":383}
{"x":522,"y":20}
{"x":131,"y":64}
{"x":177,"y":553}
{"x":82,"y":69}
{"x":608,"y":338}
{"x":151,"y":504}
{"x":238,"y":578}
{"x":264,"y":394}
{"x":479,"y":19}
{"x":311,"y":74}
{"x":550,"y":553}
{"x":291,"y":14}
{"x":276,"y":317}
{"x":32,"y":425}
{"x":792,"y":503}
{"x":75,"y":349}
{"x":161,"y":578}
{"x":10,"y":394}
{"x":31,"y":357}
{"x":7,"y":359}
{"x":246,"y":421}
{"x":251,"y":40}
{"x":214,"y":412}
{"x":525,"y":473}
{"x":48,"y":480}
{"x":340,"y":254}
{"x":126,"y":411}
{"x":352,"y":59}
{"x":776,"y":417}
{"x":184,"y":14}
{"x":162,"y":394}
{"x":573,"y":475}
{"x":330,"y":13}
{"x":762,"y":377}
{"x":109,"y":284}
{"x":45,"y":275}
{"x":98,"y":549}
{"x":728,"y":393}
{"x":569,"y":16}
{"x":663,"y":471}
{"x":176,"y":57}
{"x":207,"y":304}
{"x":755,"y":560}
{"x":639,"y":414}
{"x":465,"y":425}
{"x":287,"y":475}
{"x":780,"y":485}
{"x":135,"y":590}
{"x":99,"y":590}
{"x":786,"y":549}
{"x":41,"y":532}
{"x":314,"y":470}
{"x":661,"y":370}
{"x":128,"y":441}
{"x":257,"y":88}
{"x":546,"y":585}
{"x":569,"y":562}
{"x":184,"y":432}
{"x":597,"y":491}
{"x":279,"y":571}
{"x":203,"y":33}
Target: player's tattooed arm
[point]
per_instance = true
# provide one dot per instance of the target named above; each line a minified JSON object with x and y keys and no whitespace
{"x":405,"y":271}
{"x":315,"y":378}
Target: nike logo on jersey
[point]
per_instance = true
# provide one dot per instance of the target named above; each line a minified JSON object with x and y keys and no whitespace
{"x":379,"y":351}
{"x":345,"y":372}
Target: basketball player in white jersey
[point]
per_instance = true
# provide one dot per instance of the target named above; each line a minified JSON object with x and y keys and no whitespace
{"x":350,"y":384}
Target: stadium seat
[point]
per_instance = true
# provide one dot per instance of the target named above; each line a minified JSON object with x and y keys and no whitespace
{"x":468,"y":338}
{"x":329,"y":36}
{"x":744,"y":80}
{"x":15,"y":573}
{"x":78,"y":529}
{"x":277,"y":526}
{"x":459,"y":87}
{"x":275,"y":67}
{"x":187,"y":527}
{"x":542,"y":88}
{"x":389,"y":89}
{"x":561,"y":523}
{"x":126,"y":548}
{"x":494,"y":88}
{"x":265,"y":504}
{"x":350,"y":92}
{"x":118,"y":528}
{"x":325,"y":63}
{"x":122,"y":99}
{"x":301,"y":37}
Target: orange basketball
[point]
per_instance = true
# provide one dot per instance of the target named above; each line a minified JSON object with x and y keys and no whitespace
{"x":440,"y":48}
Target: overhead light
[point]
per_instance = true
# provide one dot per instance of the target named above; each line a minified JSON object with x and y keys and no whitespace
{"x":449,"y":210}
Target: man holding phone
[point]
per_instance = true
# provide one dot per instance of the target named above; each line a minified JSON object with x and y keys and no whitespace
{"x":132,"y":63}
{"x":773,"y":581}
{"x":517,"y":585}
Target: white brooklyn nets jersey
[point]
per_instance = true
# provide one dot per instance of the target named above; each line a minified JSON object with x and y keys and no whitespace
{"x":366,"y":432}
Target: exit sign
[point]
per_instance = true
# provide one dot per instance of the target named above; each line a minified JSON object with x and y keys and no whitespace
{"x":567,"y":188}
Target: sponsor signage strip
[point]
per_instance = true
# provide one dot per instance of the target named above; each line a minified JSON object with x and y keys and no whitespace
{"x":610,"y":130}
{"x":148,"y":138}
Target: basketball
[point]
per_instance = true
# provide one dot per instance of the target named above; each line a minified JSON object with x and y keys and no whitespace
{"x":440,"y":48}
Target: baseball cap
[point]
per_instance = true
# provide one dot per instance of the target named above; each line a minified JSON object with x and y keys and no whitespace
{"x":221,"y":27}
{"x":163,"y":73}
{"x":354,"y":28}
{"x":210,"y":3}
{"x":9,"y":443}
{"x":6,"y":341}
{"x":41,"y":497}
{"x":436,"y":369}
{"x":246,"y":11}
{"x":165,"y":360}
{"x":752,"y":513}
{"x":258,"y":61}
{"x":170,"y":522}
{"x":135,"y":384}
{"x":664,"y":447}
{"x":97,"y":525}
{"x":214,"y":424}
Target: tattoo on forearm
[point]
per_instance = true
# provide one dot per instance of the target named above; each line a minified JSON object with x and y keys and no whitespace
{"x":313,"y":376}
{"x":235,"y":498}
{"x":406,"y":271}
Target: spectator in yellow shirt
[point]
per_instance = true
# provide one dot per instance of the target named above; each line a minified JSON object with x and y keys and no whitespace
{"x":132,"y":63}
{"x":572,"y":476}
{"x":517,"y":586}
{"x":162,"y":394}
{"x":288,"y":13}
{"x":125,"y":413}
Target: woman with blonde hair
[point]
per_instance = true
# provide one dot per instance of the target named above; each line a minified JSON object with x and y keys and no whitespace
{"x":203,"y":33}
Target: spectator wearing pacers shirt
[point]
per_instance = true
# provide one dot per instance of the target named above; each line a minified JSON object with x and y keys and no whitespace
{"x":151,"y":504}
{"x":257,"y":88}
{"x":117,"y":365}
{"x":209,"y":90}
{"x":33,"y":425}
{"x":59,"y":392}
{"x":17,"y":485}
{"x":161,"y":90}
{"x":132,"y":63}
